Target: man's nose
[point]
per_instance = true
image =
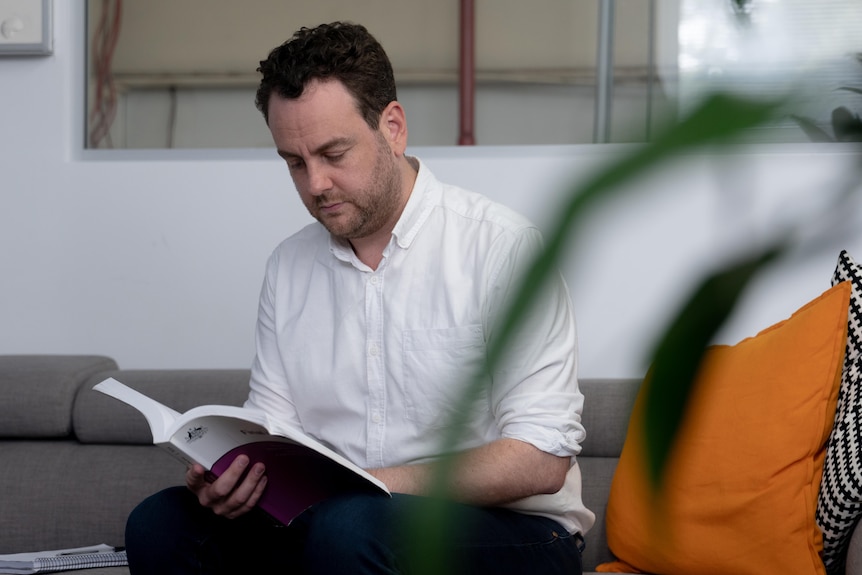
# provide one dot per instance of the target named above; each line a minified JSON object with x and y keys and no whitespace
{"x":319,"y":180}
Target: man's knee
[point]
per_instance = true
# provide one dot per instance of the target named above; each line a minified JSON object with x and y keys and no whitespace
{"x":155,"y":527}
{"x":349,"y":533}
{"x":157,"y":510}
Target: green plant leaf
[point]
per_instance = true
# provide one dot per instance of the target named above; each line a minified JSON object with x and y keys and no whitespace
{"x":847,"y":126}
{"x":814,"y":132}
{"x":720,"y":120}
{"x":679,"y":354}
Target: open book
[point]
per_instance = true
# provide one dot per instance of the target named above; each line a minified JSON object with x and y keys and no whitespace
{"x":300,"y":471}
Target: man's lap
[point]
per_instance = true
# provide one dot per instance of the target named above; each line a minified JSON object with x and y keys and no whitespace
{"x":350,"y":534}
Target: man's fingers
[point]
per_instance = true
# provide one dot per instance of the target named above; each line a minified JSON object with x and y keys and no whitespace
{"x":245,"y":495}
{"x":235,"y":470}
{"x":213,"y":494}
{"x":258,"y":491}
{"x":196,"y":478}
{"x":234,"y":492}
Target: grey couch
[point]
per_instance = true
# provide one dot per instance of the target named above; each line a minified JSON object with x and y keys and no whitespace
{"x":75,"y":462}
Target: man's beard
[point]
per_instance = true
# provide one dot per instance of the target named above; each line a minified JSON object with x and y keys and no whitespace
{"x":374,"y":206}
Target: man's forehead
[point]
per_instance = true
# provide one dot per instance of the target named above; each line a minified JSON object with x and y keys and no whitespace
{"x":319,"y":90}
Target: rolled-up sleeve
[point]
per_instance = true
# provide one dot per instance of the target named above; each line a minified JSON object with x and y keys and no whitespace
{"x":268,"y":385}
{"x":534,"y":394}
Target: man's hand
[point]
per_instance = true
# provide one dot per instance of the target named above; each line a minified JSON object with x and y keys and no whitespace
{"x":232,"y":494}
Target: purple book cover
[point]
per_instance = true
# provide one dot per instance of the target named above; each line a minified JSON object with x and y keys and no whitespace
{"x":297,"y":477}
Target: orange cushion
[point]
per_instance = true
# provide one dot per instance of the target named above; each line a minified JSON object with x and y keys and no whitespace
{"x":741,"y":486}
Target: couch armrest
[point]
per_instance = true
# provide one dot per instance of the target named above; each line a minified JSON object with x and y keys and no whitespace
{"x":854,"y":554}
{"x":37,"y":392}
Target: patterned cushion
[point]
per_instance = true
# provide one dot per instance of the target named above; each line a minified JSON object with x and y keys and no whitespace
{"x":839,"y":505}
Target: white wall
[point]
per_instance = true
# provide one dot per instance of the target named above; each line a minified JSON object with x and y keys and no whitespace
{"x":156,"y":258}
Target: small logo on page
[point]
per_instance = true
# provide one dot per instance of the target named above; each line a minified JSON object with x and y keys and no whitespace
{"x":195,"y":433}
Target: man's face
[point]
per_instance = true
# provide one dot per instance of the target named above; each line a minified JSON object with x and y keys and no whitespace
{"x":345,"y":172}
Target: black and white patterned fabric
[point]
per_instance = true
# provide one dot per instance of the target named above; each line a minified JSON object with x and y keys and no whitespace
{"x":839,"y":505}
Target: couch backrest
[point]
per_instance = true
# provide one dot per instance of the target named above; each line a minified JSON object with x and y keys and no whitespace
{"x":607,"y":407}
{"x":37,"y":392}
{"x":608,"y":404}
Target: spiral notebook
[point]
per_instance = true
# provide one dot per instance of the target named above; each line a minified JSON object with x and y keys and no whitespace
{"x":63,"y":559}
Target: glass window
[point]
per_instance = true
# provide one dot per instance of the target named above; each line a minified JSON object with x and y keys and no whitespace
{"x":167,"y":74}
{"x":807,"y":51}
{"x":182,"y":74}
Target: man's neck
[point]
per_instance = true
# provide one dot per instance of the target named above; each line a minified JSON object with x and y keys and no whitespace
{"x":370,"y":249}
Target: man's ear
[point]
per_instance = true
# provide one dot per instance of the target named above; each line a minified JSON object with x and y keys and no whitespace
{"x":393,"y":125}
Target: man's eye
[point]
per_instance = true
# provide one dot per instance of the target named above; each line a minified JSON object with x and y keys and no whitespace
{"x":294,"y":164}
{"x":335,"y":157}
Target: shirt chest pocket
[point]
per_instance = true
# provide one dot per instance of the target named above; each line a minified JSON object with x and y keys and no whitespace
{"x":438,"y":364}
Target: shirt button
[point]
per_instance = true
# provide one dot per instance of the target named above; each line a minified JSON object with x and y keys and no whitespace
{"x":374,"y":280}
{"x":375,"y":418}
{"x":373,"y":350}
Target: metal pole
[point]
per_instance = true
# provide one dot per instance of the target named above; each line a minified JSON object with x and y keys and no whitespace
{"x":604,"y":73}
{"x":651,"y":70}
{"x":466,"y":74}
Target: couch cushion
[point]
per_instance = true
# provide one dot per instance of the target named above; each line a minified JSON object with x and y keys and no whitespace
{"x":607,"y":406}
{"x":740,"y":491}
{"x":58,"y":493}
{"x":596,"y":476}
{"x":98,"y":418}
{"x":37,"y":392}
{"x":839,"y":505}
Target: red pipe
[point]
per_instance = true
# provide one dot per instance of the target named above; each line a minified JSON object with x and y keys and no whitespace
{"x":466,"y":74}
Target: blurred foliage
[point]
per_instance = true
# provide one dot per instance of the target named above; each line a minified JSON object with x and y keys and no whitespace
{"x":846,"y":126}
{"x":719,"y":122}
{"x":742,"y":10}
{"x":678,"y":356}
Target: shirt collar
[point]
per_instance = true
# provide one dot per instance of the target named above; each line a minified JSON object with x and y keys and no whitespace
{"x":425,"y":193}
{"x":423,"y":197}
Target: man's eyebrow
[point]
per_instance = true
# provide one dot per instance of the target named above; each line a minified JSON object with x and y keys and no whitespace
{"x":323,"y":148}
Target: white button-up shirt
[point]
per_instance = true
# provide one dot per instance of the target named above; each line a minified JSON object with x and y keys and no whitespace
{"x":372,"y":363}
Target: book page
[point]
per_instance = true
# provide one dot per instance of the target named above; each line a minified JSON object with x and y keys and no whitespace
{"x":160,"y":417}
{"x":302,"y":470}
{"x":206,"y":433}
{"x":227,"y":426}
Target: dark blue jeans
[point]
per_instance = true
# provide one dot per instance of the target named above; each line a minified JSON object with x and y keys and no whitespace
{"x":170,"y":533}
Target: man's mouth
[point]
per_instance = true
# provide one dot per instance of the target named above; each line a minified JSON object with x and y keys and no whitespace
{"x":330,"y":207}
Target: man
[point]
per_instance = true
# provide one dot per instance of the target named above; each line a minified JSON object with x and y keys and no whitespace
{"x":370,"y":323}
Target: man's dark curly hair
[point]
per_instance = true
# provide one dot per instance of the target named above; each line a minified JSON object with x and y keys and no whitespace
{"x":340,"y":51}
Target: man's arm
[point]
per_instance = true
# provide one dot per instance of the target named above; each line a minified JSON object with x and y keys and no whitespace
{"x":494,"y":474}
{"x":497,"y":473}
